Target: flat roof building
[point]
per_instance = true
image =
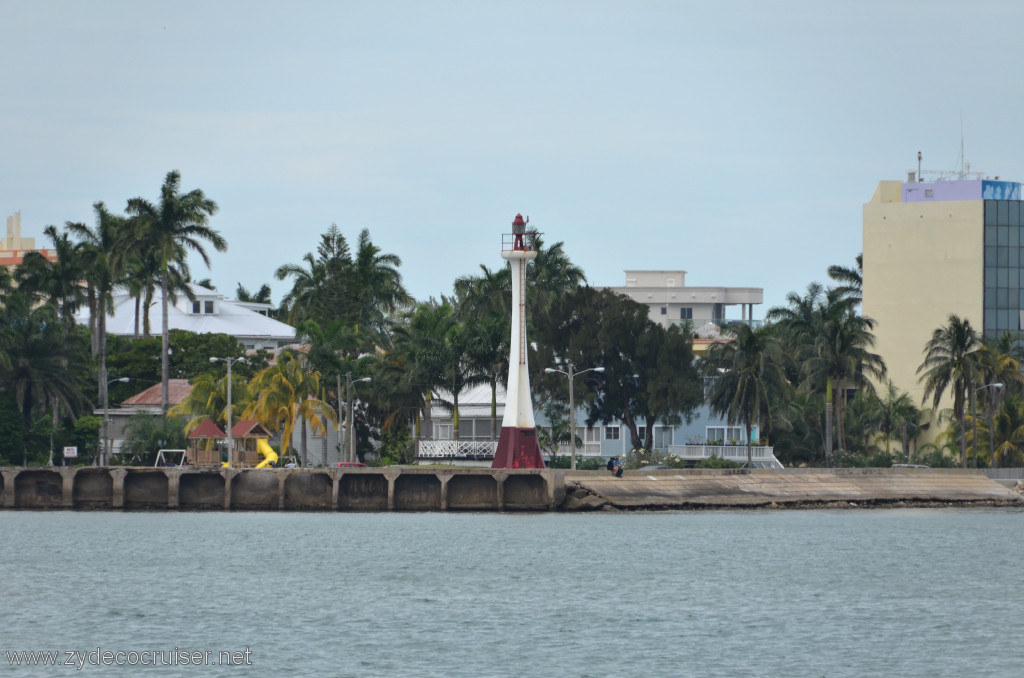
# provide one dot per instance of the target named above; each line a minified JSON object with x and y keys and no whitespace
{"x":937,"y":248}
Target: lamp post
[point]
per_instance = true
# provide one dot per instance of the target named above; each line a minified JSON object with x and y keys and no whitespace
{"x":990,"y":390}
{"x":106,"y":418}
{"x":571,"y":374}
{"x":349,"y":446}
{"x":231,"y":439}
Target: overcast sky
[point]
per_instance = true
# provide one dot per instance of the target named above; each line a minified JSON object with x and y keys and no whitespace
{"x":734,"y":140}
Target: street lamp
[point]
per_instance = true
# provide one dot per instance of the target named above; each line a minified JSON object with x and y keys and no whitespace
{"x":990,"y":389}
{"x":572,"y":402}
{"x":231,"y":439}
{"x":106,"y":419}
{"x":349,"y":447}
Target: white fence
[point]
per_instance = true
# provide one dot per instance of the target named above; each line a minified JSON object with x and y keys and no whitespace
{"x":761,"y":456}
{"x":456,"y":449}
{"x":584,"y":450}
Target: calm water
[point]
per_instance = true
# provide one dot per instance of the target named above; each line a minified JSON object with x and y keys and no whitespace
{"x":912,"y":592}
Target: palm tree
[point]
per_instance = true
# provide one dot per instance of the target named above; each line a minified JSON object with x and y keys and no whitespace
{"x":287,"y":393}
{"x":261,"y":296}
{"x":851,"y":280}
{"x":305,"y":300}
{"x":44,"y":358}
{"x":377,"y":284}
{"x":180,"y":223}
{"x":748,"y":376}
{"x":952,"y":362}
{"x":831,"y":342}
{"x":103,"y":261}
{"x":55,"y":282}
{"x":894,"y":411}
{"x":208,"y":398}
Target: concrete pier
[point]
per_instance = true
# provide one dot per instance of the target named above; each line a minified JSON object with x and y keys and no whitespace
{"x":348,"y":489}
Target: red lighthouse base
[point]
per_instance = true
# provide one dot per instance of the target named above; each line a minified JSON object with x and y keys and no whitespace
{"x":517,"y":448}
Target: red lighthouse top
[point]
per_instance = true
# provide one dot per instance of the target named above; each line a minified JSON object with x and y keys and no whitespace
{"x":518,"y":229}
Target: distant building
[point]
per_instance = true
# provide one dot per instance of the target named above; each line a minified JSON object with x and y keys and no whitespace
{"x":209,"y":313}
{"x":13,"y":248}
{"x":671,"y":302}
{"x":144,"y":402}
{"x":937,"y":248}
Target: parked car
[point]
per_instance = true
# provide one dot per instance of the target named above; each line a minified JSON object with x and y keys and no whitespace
{"x":351,"y":463}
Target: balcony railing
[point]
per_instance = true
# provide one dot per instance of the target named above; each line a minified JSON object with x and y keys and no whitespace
{"x":722,"y":323}
{"x":762,"y":456}
{"x":456,"y":449}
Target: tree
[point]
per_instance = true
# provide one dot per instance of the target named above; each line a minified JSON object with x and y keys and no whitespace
{"x":55,"y":282}
{"x":952,"y":363}
{"x":261,"y":296}
{"x":649,"y":371}
{"x":894,"y":412}
{"x":851,"y":280}
{"x":287,"y":393}
{"x":831,"y":342}
{"x":177,"y":225}
{"x":747,"y":377}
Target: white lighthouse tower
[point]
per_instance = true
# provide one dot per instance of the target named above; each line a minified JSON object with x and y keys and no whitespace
{"x":517,"y":446}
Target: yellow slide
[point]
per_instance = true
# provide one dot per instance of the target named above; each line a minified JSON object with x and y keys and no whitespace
{"x":269,"y":456}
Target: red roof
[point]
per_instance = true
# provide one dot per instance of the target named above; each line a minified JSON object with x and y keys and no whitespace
{"x":177,"y":390}
{"x":206,"y":429}
{"x":249,"y":427}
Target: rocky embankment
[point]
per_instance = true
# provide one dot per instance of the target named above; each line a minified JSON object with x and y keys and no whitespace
{"x":796,"y":488}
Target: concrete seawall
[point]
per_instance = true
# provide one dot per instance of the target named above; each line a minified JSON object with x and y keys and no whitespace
{"x":482,"y":489}
{"x":691,"y":488}
{"x":350,"y":489}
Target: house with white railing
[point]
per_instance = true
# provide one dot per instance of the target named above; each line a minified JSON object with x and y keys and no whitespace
{"x":706,"y":436}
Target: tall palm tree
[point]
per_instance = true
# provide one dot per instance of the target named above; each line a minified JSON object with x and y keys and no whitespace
{"x":103,"y":258}
{"x":748,"y":375}
{"x":177,"y":225}
{"x":952,"y":363}
{"x":261,"y":296}
{"x":832,"y":342}
{"x":305,"y":300}
{"x":377,"y":284}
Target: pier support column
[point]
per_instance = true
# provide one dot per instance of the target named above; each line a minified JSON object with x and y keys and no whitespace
{"x":444,"y":477}
{"x":67,"y":499}
{"x":228,"y":474}
{"x":117,"y":498}
{"x":282,"y":475}
{"x":8,"y":493}
{"x":499,"y":478}
{"x":391,"y":489}
{"x":335,"y":487}
{"x":173,"y":488}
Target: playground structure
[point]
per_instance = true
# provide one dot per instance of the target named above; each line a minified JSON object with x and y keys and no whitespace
{"x":248,"y":440}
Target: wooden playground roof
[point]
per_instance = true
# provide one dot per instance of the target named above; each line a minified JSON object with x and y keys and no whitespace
{"x":206,"y":429}
{"x":249,"y":428}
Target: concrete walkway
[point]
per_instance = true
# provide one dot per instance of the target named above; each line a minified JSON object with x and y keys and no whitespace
{"x":697,"y":489}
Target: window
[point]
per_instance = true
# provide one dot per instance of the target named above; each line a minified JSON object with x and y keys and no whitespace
{"x":928,"y":193}
{"x":686,"y":313}
{"x":195,"y":307}
{"x":611,"y":432}
{"x":207,"y":307}
{"x":724,"y":435}
{"x":664,"y":310}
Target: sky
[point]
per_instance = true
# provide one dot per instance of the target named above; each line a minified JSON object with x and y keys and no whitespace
{"x":734,"y":140}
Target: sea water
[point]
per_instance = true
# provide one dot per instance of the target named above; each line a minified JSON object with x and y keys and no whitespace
{"x":909,"y":592}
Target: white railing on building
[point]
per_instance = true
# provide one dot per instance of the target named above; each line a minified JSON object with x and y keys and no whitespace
{"x":762,"y":456}
{"x":584,"y":450}
{"x":456,"y":449}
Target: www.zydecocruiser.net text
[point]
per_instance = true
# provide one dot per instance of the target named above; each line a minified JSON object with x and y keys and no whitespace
{"x":79,"y":659}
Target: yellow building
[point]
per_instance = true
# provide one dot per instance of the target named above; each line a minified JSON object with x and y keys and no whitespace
{"x":932,"y":249}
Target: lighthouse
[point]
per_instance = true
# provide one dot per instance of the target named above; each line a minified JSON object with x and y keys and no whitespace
{"x":517,"y":445}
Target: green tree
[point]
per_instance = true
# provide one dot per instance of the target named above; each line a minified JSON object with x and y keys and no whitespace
{"x":178,"y":224}
{"x":952,"y":363}
{"x":747,"y":376}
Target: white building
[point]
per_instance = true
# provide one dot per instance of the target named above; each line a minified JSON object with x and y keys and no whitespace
{"x":209,"y":313}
